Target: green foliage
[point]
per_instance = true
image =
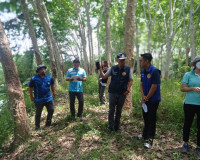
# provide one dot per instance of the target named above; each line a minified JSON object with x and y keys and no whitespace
{"x":24,"y":65}
{"x":91,"y":85}
{"x":6,"y":124}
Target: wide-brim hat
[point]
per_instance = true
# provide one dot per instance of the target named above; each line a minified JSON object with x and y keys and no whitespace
{"x":196,"y":59}
{"x":39,"y":67}
{"x":121,"y":56}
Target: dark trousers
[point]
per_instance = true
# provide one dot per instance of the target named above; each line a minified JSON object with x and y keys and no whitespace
{"x":150,"y":120}
{"x":39,"y":108}
{"x":116,"y":102}
{"x":102,"y":96}
{"x":72,"y":96}
{"x":189,"y":112}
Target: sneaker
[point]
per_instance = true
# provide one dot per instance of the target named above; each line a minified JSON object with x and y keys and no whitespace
{"x":111,"y":128}
{"x":185,"y":148}
{"x":198,"y":151}
{"x":139,"y":137}
{"x":82,"y":118}
{"x":37,"y":128}
{"x":148,"y":144}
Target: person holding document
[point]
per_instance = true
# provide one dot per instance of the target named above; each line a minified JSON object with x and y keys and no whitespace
{"x":150,"y":90}
{"x":76,"y":76}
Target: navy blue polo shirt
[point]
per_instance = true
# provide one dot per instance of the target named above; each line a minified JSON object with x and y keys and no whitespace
{"x":41,"y":87}
{"x":149,"y":77}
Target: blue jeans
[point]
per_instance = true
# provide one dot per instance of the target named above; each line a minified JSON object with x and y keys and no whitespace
{"x":116,"y":102}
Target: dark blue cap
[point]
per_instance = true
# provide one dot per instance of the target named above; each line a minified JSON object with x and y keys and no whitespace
{"x":121,"y":56}
{"x":76,"y":60}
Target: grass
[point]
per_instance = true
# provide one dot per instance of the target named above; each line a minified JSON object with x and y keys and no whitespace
{"x":91,"y":139}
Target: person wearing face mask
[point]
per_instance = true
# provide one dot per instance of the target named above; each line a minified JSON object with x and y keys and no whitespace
{"x":191,"y":85}
{"x":42,"y":95}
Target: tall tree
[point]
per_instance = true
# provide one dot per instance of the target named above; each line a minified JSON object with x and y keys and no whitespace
{"x":128,"y":41}
{"x":90,"y":39}
{"x":83,"y":37}
{"x":31,"y":32}
{"x":15,"y":92}
{"x":107,"y":23}
{"x":44,"y":21}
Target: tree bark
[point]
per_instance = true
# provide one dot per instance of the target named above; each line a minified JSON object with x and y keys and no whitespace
{"x":90,"y":39}
{"x":45,"y":23}
{"x":31,"y":32}
{"x":128,"y":41}
{"x":83,"y":38}
{"x":15,"y":92}
{"x":59,"y":62}
{"x":107,"y":23}
{"x":192,"y":44}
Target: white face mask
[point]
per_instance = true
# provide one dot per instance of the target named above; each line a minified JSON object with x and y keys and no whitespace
{"x":198,"y":65}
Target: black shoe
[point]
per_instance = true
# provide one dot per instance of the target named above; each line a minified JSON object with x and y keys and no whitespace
{"x":198,"y":151}
{"x":111,"y":128}
{"x":118,"y":130}
{"x":37,"y":128}
{"x":185,"y":148}
{"x":148,"y":144}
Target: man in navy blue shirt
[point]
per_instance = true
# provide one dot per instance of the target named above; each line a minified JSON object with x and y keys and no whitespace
{"x":41,"y":84}
{"x":121,"y":82}
{"x":150,"y":90}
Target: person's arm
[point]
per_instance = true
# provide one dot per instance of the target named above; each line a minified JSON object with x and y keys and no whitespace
{"x":185,"y":88}
{"x":68,"y":77}
{"x":82,"y":79}
{"x":53,"y":91}
{"x":103,"y":75}
{"x":151,"y":91}
{"x":30,"y":90}
{"x":130,"y":81}
{"x":144,"y":98}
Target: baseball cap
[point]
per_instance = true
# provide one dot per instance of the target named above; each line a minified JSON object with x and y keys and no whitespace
{"x":76,"y":60}
{"x":40,"y":66}
{"x":197,"y":58}
{"x":121,"y":56}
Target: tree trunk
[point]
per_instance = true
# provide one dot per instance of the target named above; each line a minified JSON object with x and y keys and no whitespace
{"x":31,"y":32}
{"x":137,"y":48}
{"x":192,"y":44}
{"x":128,"y":41}
{"x":15,"y":92}
{"x":83,"y":38}
{"x":56,"y":52}
{"x":169,"y":42}
{"x":107,"y":23}
{"x":90,"y":39}
{"x":44,"y":23}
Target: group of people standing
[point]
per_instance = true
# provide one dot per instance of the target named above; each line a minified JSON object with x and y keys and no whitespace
{"x":120,"y":86}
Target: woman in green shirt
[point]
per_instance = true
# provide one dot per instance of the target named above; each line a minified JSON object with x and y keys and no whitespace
{"x":191,"y":85}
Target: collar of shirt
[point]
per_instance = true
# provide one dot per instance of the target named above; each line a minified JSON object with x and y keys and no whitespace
{"x":149,"y":69}
{"x":76,"y":69}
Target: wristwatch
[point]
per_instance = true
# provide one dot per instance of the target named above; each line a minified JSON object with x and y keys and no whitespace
{"x":128,"y":90}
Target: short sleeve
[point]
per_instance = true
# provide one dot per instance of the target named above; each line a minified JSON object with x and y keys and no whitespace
{"x":84,"y":73}
{"x":31,"y":83}
{"x":68,"y":75}
{"x":108,"y":73}
{"x":185,"y":79}
{"x":155,"y":77}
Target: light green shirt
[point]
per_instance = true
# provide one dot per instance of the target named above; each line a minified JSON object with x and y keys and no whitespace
{"x":192,"y":80}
